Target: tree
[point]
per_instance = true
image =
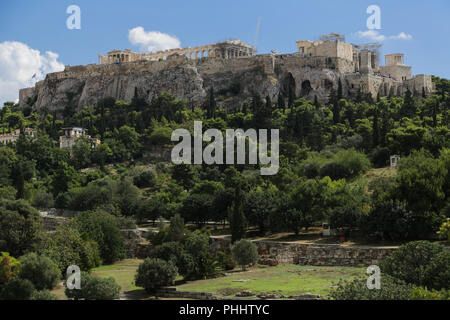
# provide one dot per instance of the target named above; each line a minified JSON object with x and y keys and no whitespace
{"x":238,"y":222}
{"x":444,"y":230}
{"x":421,"y":263}
{"x":185,"y":175}
{"x":20,"y":226}
{"x":40,"y":270}
{"x":67,"y":247}
{"x":245,"y":253}
{"x":175,"y":252}
{"x":153,"y":274}
{"x":9,"y":268}
{"x":95,"y":288}
{"x":211,"y":108}
{"x":197,"y":245}
{"x":126,"y":196}
{"x":101,"y":227}
{"x":17,"y":289}
{"x":176,"y":228}
{"x":64,"y":178}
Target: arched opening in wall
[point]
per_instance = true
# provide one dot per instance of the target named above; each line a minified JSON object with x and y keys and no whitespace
{"x":306,"y":88}
{"x":288,"y":86}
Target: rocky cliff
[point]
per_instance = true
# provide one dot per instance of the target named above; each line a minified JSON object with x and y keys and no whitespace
{"x":234,"y":80}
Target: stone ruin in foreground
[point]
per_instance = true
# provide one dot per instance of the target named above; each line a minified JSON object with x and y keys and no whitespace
{"x":235,"y":73}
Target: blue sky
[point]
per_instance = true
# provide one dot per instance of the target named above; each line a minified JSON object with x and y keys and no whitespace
{"x":105,"y":25}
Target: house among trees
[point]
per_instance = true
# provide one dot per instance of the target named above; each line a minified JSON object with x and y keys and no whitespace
{"x":12,"y":137}
{"x":72,"y":134}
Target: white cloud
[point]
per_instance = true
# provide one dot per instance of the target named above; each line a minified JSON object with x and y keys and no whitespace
{"x":372,"y":35}
{"x":152,"y":41}
{"x":402,"y":36}
{"x":18,"y":64}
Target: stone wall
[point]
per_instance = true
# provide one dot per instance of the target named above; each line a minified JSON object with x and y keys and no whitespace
{"x":274,"y":253}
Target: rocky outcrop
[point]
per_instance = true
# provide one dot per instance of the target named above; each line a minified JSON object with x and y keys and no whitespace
{"x":234,"y":80}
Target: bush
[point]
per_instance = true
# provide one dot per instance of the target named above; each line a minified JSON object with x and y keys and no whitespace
{"x":43,"y":200}
{"x":424,"y":294}
{"x":95,"y":288}
{"x":421,"y":263}
{"x":225,"y":261}
{"x":9,"y":267}
{"x":20,"y":226}
{"x":245,"y":253}
{"x":345,"y":164}
{"x":153,"y":274}
{"x":102,"y":227}
{"x":17,"y":289}
{"x":356,"y":289}
{"x":40,"y":270}
{"x":174,"y":252}
{"x":444,"y":230}
{"x":67,"y":247}
{"x":43,"y":295}
{"x":145,"y":179}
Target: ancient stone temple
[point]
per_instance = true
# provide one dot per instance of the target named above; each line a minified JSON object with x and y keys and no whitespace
{"x":227,"y":50}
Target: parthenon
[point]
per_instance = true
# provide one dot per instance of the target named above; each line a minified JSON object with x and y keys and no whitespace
{"x":227,"y":50}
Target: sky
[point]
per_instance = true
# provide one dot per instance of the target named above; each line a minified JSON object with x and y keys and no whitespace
{"x":35,"y":39}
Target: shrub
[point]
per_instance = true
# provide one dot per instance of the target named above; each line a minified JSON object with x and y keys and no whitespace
{"x":245,"y":253}
{"x":43,"y":200}
{"x":153,"y":274}
{"x":145,"y":179}
{"x":102,"y":227}
{"x":17,"y":289}
{"x":345,"y":164}
{"x":20,"y":226}
{"x":225,"y":261}
{"x":421,"y":263}
{"x":9,"y":267}
{"x":444,"y":230}
{"x":67,"y":247}
{"x":421,"y":293}
{"x":95,"y":288}
{"x":40,"y":270}
{"x":174,"y":252}
{"x":43,"y":295}
{"x":356,"y":289}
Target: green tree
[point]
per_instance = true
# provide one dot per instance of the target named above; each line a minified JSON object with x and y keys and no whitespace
{"x":95,"y":288}
{"x":153,"y":274}
{"x":9,"y":267}
{"x":20,"y":226}
{"x":245,"y":253}
{"x":40,"y":270}
{"x":101,"y":227}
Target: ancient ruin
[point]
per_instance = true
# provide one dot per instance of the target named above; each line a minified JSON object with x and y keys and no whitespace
{"x":227,"y":50}
{"x":189,"y":73}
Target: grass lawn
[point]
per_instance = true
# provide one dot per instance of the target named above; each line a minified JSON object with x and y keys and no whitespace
{"x":123,"y":272}
{"x":285,"y":280}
